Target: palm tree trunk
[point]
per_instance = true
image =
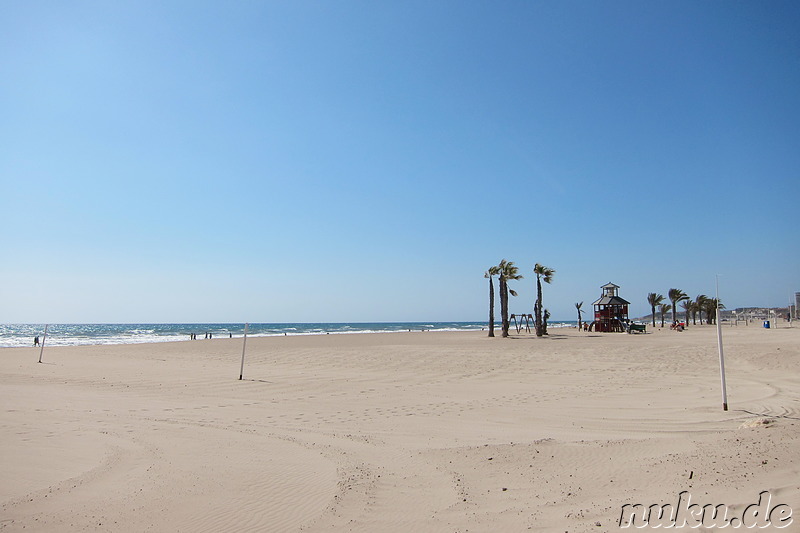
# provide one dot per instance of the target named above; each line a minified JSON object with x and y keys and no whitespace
{"x":504,"y":306}
{"x":539,"y":329}
{"x":654,"y":315}
{"x":491,"y":307}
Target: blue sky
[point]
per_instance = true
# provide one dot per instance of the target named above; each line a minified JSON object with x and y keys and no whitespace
{"x":192,"y":161}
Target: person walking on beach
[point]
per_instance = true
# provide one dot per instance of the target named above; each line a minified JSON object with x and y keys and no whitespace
{"x":36,"y":341}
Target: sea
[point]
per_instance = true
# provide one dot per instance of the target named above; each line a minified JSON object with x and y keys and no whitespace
{"x":17,"y":335}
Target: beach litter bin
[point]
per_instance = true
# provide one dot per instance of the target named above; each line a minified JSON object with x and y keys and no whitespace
{"x":766,"y":324}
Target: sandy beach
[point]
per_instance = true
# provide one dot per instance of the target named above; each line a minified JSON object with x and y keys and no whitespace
{"x":419,"y":431}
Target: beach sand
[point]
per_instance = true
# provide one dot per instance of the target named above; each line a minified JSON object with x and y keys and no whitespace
{"x":418,"y":431}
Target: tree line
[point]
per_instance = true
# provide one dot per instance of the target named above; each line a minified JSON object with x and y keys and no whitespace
{"x":701,"y":304}
{"x":506,"y":271}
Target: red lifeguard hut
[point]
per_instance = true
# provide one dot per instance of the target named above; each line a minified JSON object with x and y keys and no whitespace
{"x":610,"y":311}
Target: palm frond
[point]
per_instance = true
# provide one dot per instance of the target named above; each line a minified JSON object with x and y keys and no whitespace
{"x":508,"y":271}
{"x":544,"y":273}
{"x":677,"y":295}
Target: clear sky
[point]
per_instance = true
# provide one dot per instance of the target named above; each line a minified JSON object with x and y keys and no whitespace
{"x":278,"y":161}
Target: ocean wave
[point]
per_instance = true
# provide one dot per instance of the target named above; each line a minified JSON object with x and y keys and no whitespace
{"x":22,"y":335}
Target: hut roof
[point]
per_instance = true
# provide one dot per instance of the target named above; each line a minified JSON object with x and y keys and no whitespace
{"x":611,"y":300}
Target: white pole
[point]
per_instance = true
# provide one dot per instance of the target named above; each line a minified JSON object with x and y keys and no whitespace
{"x":244,"y":347}
{"x":721,"y":356}
{"x":44,"y":338}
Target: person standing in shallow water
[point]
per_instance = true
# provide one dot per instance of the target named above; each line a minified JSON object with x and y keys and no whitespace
{"x":36,"y":341}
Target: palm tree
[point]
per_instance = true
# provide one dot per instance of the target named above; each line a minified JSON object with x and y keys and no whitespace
{"x":545,"y":274}
{"x":664,"y":309}
{"x":654,"y":300}
{"x":507,"y":271}
{"x":699,"y":306}
{"x":711,"y":309}
{"x":493,"y":271}
{"x":578,"y":307}
{"x":688,"y":306}
{"x":675,"y":296}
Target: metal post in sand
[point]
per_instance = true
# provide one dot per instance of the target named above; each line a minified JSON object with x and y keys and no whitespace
{"x":721,"y":356}
{"x":44,"y":338}
{"x":244,"y":347}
